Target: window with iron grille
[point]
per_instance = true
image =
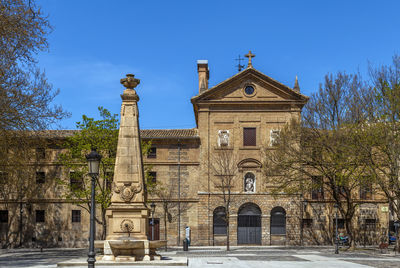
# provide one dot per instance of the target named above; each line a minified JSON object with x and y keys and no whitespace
{"x":317,"y":192}
{"x":3,"y":216}
{"x":153,"y":176}
{"x":219,"y":221}
{"x":76,"y":216}
{"x":249,"y":136}
{"x":75,"y":181}
{"x":40,"y":153}
{"x":278,"y":221}
{"x":152,"y":153}
{"x":3,"y":177}
{"x":39,"y":216}
{"x":40,"y":177}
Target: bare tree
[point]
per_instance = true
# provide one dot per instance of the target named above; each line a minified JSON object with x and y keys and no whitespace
{"x":166,"y":194}
{"x":20,"y":166}
{"x":26,"y":97}
{"x":224,"y":172}
{"x":325,"y":145}
{"x":383,"y":132}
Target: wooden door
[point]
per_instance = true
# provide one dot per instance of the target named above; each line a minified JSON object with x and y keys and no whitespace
{"x":156,"y":229}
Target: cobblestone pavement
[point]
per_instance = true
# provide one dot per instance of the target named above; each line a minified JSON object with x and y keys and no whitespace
{"x":217,"y":257}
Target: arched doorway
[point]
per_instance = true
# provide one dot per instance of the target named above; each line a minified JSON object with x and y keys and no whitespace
{"x":278,"y":226}
{"x":249,"y":224}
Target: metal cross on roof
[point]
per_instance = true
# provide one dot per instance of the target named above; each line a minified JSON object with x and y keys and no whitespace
{"x":240,"y":66}
{"x":249,"y":55}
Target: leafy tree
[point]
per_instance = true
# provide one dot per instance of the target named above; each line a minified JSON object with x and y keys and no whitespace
{"x":103,"y":135}
{"x":383,"y":132}
{"x":325,"y":143}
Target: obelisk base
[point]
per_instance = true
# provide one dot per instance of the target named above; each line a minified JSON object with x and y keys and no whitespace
{"x":127,"y":221}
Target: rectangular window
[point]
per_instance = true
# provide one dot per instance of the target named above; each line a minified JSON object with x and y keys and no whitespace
{"x":317,"y":192}
{"x":153,"y":176}
{"x":39,"y":216}
{"x":75,"y":181}
{"x":40,"y":153}
{"x":152,"y":153}
{"x":3,"y":216}
{"x":76,"y":216}
{"x":366,"y":191}
{"x":249,"y":136}
{"x":40,"y":177}
{"x":3,"y":177}
{"x":307,"y":223}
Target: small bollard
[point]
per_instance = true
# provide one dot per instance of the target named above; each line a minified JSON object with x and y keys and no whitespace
{"x":185,"y":244}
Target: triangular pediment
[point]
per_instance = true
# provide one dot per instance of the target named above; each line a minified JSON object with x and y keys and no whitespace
{"x":266,"y":90}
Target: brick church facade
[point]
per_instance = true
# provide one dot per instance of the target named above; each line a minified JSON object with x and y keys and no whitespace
{"x":241,"y":115}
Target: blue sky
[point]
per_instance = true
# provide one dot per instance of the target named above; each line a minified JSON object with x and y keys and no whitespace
{"x":95,"y":43}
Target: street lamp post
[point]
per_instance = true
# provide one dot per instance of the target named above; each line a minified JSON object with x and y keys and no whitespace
{"x":153,"y":208}
{"x":94,"y":164}
{"x":336,"y":206}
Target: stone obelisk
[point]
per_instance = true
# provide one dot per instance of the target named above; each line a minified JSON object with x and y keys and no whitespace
{"x":128,"y":214}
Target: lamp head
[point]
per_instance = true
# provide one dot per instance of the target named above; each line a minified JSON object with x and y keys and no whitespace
{"x":93,"y":162}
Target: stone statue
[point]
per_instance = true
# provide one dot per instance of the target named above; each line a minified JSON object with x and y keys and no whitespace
{"x":249,"y":183}
{"x":223,"y":137}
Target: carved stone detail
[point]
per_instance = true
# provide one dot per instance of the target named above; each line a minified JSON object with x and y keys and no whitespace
{"x":126,"y":226}
{"x":126,"y":191}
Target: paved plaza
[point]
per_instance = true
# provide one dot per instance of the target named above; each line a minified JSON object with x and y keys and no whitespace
{"x":217,"y":257}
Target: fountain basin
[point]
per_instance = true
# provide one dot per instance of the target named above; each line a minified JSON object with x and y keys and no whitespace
{"x":131,"y":249}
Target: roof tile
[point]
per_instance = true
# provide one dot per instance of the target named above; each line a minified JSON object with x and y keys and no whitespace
{"x":144,"y":133}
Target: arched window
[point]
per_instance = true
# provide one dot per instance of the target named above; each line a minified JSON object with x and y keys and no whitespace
{"x":278,"y":221}
{"x":219,"y":221}
{"x":249,"y":182}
